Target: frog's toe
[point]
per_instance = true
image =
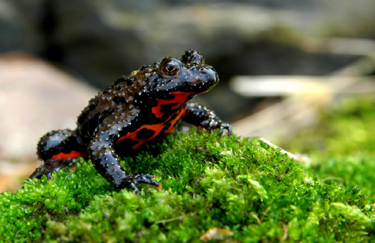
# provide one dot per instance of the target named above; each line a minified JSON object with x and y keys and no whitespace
{"x":212,"y":125}
{"x":209,"y":124}
{"x":148,"y":180}
{"x":135,"y":188}
{"x":226,"y":126}
{"x":40,"y":171}
{"x":134,"y":180}
{"x":37,"y":173}
{"x":50,"y":166}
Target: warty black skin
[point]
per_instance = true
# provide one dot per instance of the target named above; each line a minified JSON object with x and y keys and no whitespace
{"x":137,"y":109}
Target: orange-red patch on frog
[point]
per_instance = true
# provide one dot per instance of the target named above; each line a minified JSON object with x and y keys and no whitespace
{"x":175,"y":120}
{"x":71,"y":155}
{"x":133,"y":135}
{"x":179,"y":99}
{"x":156,"y":128}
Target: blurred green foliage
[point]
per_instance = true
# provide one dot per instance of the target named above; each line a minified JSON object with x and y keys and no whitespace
{"x":347,"y":129}
{"x":342,"y":145}
{"x":241,"y":185}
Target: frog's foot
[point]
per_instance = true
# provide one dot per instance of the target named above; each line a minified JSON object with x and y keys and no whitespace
{"x":131,"y":181}
{"x":227,"y":127}
{"x":50,"y":166}
{"x":210,"y":124}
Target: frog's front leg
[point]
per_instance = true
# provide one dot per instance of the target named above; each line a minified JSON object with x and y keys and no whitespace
{"x":203,"y":117}
{"x":105,"y":160}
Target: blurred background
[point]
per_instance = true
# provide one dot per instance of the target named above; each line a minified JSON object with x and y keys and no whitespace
{"x":279,"y":62}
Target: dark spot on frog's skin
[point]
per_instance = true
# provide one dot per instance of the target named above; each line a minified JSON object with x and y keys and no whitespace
{"x":136,"y":110}
{"x":173,"y":116}
{"x":167,"y":108}
{"x":128,"y":143}
{"x":119,"y":100}
{"x":145,"y":133}
{"x":166,"y":127}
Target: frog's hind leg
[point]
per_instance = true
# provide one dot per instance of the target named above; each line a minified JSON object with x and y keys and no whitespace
{"x":58,"y":149}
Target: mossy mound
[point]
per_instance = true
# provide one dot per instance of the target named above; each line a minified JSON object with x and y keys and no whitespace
{"x":241,"y":185}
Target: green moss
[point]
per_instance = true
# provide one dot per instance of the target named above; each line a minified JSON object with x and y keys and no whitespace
{"x":208,"y":180}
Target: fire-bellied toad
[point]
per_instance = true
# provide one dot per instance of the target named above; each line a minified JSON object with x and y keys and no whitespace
{"x":137,"y":109}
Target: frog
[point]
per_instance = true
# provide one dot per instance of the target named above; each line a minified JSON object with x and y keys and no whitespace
{"x":134,"y":111}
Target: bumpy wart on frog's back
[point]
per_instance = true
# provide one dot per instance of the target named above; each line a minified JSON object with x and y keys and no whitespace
{"x":137,"y":109}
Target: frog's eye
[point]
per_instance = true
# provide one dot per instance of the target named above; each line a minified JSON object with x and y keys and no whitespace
{"x":170,"y":67}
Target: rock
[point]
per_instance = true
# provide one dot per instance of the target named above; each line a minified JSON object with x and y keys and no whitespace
{"x":35,"y":97}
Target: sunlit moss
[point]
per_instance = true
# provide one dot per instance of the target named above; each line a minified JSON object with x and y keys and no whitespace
{"x":241,"y":185}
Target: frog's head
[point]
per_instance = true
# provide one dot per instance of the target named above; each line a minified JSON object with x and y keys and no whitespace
{"x":174,"y":80}
{"x":190,"y":74}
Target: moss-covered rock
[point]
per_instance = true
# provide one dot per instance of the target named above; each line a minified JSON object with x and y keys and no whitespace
{"x":241,"y":185}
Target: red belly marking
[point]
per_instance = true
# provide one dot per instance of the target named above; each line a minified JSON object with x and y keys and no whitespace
{"x":72,"y":155}
{"x":179,"y":99}
{"x":157,"y":128}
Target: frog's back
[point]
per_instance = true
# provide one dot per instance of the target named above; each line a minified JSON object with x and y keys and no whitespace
{"x":113,"y":102}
